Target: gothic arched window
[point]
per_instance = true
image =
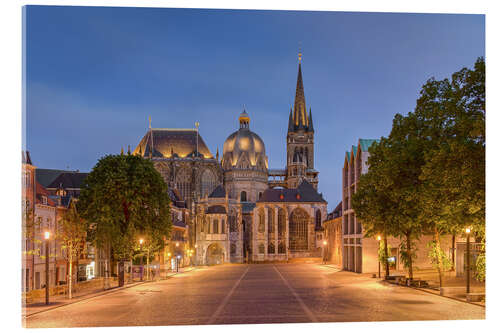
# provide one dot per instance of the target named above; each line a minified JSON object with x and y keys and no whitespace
{"x":298,"y":236}
{"x":261,"y":226}
{"x":270,"y":248}
{"x":183,"y":183}
{"x":222,"y":226}
{"x":281,"y":247}
{"x":243,"y":196}
{"x":233,"y":248}
{"x":270,"y":220}
{"x":208,"y":182}
{"x":215,"y":226}
{"x":281,"y":223}
{"x":261,"y":248}
{"x":318,"y":219}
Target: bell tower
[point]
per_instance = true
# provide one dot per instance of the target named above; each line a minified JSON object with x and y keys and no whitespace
{"x":300,"y":140}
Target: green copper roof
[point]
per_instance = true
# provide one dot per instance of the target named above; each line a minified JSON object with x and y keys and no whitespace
{"x":366,"y":143}
{"x":354,"y":150}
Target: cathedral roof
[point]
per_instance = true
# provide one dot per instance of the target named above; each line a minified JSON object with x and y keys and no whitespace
{"x":172,"y":142}
{"x":305,"y":192}
{"x":218,"y":192}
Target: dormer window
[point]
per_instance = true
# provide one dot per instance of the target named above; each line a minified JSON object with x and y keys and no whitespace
{"x":44,"y":200}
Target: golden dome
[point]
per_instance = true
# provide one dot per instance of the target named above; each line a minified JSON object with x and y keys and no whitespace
{"x":244,"y":149}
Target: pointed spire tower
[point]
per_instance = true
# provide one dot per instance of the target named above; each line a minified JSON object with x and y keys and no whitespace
{"x":300,"y":139}
{"x":299,"y":108}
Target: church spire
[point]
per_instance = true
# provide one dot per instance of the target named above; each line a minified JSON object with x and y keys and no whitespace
{"x":299,"y":107}
{"x":290,"y":121}
{"x":311,"y":127}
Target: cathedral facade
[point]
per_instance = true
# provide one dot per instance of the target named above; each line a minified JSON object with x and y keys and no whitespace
{"x":239,"y":209}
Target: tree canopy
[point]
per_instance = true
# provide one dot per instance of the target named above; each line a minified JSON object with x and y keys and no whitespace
{"x":124,"y":198}
{"x":428,"y":175}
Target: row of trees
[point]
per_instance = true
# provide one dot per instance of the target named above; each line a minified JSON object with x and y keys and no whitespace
{"x":428,"y":175}
{"x":122,"y":200}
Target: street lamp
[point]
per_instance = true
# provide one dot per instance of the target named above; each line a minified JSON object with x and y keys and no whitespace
{"x":142,"y":268}
{"x":324,"y":252}
{"x":47,"y":237}
{"x":177,"y":265}
{"x":467,"y":231}
{"x":379,"y":238}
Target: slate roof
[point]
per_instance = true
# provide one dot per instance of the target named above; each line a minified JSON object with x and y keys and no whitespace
{"x":217,"y":209}
{"x":305,"y":192}
{"x":176,"y":198}
{"x":218,"y":192}
{"x":69,"y":180}
{"x":247,"y":207}
{"x":172,"y":142}
{"x":41,"y":192}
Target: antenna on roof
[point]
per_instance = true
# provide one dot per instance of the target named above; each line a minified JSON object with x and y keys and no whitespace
{"x":197,"y":124}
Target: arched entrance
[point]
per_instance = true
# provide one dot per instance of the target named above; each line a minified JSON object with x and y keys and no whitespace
{"x":215,"y":254}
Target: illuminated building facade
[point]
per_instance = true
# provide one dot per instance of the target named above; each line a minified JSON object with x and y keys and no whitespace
{"x":241,"y":210}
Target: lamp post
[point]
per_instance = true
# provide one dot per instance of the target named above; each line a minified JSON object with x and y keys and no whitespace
{"x":142,"y":268}
{"x":47,"y":237}
{"x":467,"y":231}
{"x":177,"y":265}
{"x":196,"y":254}
{"x":379,"y":238}
{"x":324,"y":252}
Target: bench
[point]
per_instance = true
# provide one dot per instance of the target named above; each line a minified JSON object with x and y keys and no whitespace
{"x":475,"y":297}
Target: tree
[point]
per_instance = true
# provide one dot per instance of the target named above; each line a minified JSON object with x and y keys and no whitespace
{"x":124,"y":198}
{"x":72,"y":232}
{"x":453,"y":118}
{"x":384,"y":200}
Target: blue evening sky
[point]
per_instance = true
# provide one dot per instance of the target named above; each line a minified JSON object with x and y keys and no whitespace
{"x":95,"y":74}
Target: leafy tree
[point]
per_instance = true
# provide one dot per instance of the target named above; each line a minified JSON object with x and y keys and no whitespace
{"x":385,"y":197}
{"x":124,"y":198}
{"x":72,"y":232}
{"x":452,"y":113}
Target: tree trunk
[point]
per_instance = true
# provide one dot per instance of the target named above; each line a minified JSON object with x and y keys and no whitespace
{"x":440,"y":260}
{"x":453,"y":252}
{"x":121,"y":273}
{"x":409,"y":254}
{"x":386,"y":257}
{"x":70,"y":280}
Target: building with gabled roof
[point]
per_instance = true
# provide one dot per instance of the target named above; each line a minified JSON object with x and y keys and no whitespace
{"x":360,"y":253}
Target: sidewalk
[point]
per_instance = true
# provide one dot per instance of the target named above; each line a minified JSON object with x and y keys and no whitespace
{"x":62,"y":300}
{"x":449,"y":280}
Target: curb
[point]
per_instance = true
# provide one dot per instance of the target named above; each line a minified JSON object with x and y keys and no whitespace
{"x":106,"y":292}
{"x":430,"y":292}
{"x":102,"y":293}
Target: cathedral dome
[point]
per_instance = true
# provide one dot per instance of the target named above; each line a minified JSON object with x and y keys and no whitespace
{"x":244,"y":149}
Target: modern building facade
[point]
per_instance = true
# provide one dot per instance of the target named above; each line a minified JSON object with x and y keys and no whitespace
{"x":360,"y":253}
